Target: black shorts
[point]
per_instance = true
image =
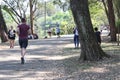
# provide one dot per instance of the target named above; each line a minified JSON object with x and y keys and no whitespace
{"x":11,"y":38}
{"x":23,"y":43}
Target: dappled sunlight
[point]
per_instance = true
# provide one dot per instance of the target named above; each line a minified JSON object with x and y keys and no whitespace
{"x":28,"y":75}
{"x":8,"y":58}
{"x":4,"y":47}
{"x":111,"y":65}
{"x":96,"y":70}
{"x":13,"y":74}
{"x":34,"y":47}
{"x":57,"y":57}
{"x":47,"y":75}
{"x":118,"y":63}
{"x":54,"y":59}
{"x":110,"y":46}
{"x":69,"y":45}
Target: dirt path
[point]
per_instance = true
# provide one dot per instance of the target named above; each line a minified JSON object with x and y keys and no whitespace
{"x":56,"y":59}
{"x":43,"y":61}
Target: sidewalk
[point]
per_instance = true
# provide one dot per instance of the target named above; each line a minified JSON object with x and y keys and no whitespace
{"x":43,"y":61}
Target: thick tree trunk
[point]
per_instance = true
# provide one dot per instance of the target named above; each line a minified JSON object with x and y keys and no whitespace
{"x":3,"y":28}
{"x":111,"y":17}
{"x":3,"y":36}
{"x":90,"y":49}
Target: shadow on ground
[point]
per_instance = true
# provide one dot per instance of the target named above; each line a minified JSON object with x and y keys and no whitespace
{"x":51,"y":59}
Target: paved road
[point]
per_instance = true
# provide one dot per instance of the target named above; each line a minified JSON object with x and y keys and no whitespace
{"x":43,"y":60}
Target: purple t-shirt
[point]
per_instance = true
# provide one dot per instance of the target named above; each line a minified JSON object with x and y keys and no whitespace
{"x":23,"y":31}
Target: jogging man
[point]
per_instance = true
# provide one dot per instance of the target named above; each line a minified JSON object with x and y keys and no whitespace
{"x":23,"y":30}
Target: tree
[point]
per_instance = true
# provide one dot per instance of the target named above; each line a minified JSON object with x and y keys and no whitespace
{"x":19,"y":9}
{"x":3,"y":27}
{"x":31,"y":2}
{"x":16,"y":8}
{"x":117,"y":7}
{"x":108,"y":5}
{"x":90,"y":49}
{"x":97,"y":13}
{"x":111,"y":19}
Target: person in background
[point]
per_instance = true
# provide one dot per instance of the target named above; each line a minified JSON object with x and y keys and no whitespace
{"x":23,"y":30}
{"x":35,"y":36}
{"x":58,"y":32}
{"x":98,"y":35}
{"x":30,"y":36}
{"x":49,"y":32}
{"x":11,"y":36}
{"x":76,"y":37}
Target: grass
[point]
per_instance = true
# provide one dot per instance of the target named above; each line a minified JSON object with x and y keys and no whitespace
{"x":73,"y":65}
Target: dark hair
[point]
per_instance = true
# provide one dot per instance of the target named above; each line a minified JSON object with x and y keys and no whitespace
{"x":23,"y":20}
{"x":96,"y":29}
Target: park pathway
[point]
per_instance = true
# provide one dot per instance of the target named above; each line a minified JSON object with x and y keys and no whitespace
{"x":43,"y":60}
{"x":56,"y":59}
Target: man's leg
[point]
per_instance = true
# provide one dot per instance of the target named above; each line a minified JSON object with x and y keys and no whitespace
{"x":10,"y":43}
{"x":23,"y":51}
{"x":77,"y":41}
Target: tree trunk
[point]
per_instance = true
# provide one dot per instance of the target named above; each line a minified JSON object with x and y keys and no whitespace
{"x":106,"y":10}
{"x":3,"y":28}
{"x":108,"y":5}
{"x":90,"y":49}
{"x":111,"y":17}
{"x":31,"y":16}
{"x":3,"y":36}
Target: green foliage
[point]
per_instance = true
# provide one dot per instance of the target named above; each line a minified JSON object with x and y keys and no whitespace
{"x":97,"y":12}
{"x":117,"y":8}
{"x":56,"y":15}
{"x":118,"y":23}
{"x":9,"y":21}
{"x":64,"y":19}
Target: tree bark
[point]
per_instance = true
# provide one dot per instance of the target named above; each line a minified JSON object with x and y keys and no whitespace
{"x":111,"y":19}
{"x":3,"y":28}
{"x":31,"y":16}
{"x":90,"y":49}
{"x":106,"y":10}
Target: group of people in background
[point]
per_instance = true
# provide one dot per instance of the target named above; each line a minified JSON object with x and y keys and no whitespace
{"x":76,"y":36}
{"x":57,"y":32}
{"x":23,"y":31}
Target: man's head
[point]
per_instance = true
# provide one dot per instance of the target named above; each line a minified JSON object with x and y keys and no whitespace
{"x":23,"y":20}
{"x":96,"y":29}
